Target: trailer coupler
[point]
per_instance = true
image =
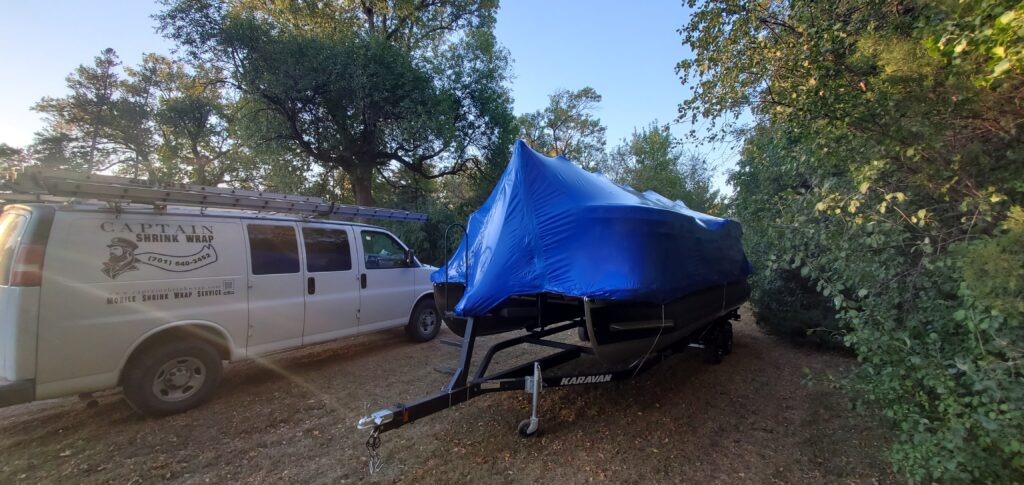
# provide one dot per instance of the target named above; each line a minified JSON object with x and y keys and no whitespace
{"x":376,"y":419}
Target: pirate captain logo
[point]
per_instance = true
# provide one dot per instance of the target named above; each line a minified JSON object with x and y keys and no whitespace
{"x":124,"y":257}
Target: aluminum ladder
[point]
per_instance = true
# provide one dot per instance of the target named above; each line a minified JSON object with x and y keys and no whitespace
{"x":41,"y":184}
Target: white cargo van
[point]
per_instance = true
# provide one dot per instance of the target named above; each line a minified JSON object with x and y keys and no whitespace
{"x":95,"y":296}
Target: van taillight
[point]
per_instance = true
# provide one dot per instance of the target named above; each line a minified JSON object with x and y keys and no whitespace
{"x":28,"y":265}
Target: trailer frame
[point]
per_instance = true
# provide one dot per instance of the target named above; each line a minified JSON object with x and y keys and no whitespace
{"x":530,"y":376}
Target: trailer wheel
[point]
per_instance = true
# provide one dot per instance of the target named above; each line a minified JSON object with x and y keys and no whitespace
{"x":713,"y":341}
{"x":172,"y":377}
{"x":712,"y":354}
{"x":725,"y":333}
{"x":581,"y":332}
{"x":524,"y":429}
{"x":425,"y":322}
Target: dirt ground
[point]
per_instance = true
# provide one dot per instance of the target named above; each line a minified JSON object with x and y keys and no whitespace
{"x":756,"y":418}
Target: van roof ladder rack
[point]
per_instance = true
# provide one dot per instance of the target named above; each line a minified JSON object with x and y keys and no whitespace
{"x":40,"y":182}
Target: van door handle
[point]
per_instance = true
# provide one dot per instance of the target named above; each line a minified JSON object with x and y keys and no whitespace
{"x":311,"y":285}
{"x":362,"y":280}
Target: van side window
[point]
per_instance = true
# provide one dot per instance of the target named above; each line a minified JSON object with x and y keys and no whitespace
{"x":274,"y":249}
{"x":326,"y":249}
{"x":382,"y":251}
{"x":11,"y":227}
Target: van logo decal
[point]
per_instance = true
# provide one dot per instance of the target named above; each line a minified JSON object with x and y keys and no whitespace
{"x":124,"y":257}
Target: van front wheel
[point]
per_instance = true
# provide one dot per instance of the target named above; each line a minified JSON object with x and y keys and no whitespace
{"x":424,"y":323}
{"x":172,"y":377}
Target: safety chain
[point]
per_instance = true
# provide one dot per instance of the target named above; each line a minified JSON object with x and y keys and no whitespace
{"x":373,"y":447}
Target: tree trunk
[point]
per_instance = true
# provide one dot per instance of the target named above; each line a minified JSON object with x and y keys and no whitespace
{"x":201,"y":177}
{"x":362,"y":184}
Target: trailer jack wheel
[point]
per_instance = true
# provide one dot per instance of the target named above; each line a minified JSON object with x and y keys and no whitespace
{"x":528,"y":427}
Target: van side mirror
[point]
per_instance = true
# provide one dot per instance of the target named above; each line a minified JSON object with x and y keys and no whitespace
{"x":410,"y":258}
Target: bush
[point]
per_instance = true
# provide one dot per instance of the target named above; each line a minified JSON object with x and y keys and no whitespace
{"x":787,"y":305}
{"x":880,"y":189}
{"x":947,"y":370}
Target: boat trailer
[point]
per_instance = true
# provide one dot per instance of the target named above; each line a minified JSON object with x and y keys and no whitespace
{"x":530,"y":377}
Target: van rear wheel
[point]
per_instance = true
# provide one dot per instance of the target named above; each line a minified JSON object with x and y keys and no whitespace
{"x":172,"y":377}
{"x":425,"y":322}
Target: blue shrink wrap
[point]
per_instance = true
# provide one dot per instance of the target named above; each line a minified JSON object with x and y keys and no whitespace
{"x":551,"y":227}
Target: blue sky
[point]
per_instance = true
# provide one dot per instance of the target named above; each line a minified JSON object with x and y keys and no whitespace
{"x":625,"y":50}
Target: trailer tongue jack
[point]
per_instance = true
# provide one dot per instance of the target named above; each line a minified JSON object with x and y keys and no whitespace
{"x":530,"y":377}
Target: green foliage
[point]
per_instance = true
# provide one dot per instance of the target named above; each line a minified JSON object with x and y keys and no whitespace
{"x":652,"y":159}
{"x":880,"y":189}
{"x":364,"y":86}
{"x":192,"y":112}
{"x":12,"y":157}
{"x":567,"y":127}
{"x":99,"y":125}
{"x":163,"y":120}
{"x":981,"y":31}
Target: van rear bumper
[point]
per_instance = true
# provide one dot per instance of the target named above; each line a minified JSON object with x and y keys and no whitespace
{"x":17,"y":392}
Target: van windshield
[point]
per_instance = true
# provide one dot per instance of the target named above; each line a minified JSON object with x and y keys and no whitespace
{"x":11,"y":227}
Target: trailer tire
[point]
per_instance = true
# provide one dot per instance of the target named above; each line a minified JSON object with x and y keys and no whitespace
{"x":725,"y":333}
{"x":581,"y":332}
{"x":425,"y":322}
{"x":172,"y":377}
{"x":714,"y":351}
{"x":712,"y":354}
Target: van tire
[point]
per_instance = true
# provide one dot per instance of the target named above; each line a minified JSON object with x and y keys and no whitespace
{"x":191,"y":370}
{"x":425,"y":322}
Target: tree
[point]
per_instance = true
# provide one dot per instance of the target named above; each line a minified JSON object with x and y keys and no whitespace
{"x":12,"y":156}
{"x":192,"y":115}
{"x":96,"y":127}
{"x":883,"y":175}
{"x":360,"y":86}
{"x":652,"y":159}
{"x":163,"y":119}
{"x":567,"y":127}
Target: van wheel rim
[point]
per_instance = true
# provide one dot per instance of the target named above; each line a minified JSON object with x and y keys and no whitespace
{"x":428,"y":320}
{"x":179,"y":379}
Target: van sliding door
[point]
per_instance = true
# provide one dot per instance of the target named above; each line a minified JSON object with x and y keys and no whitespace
{"x":332,"y":283}
{"x":276,"y":287}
